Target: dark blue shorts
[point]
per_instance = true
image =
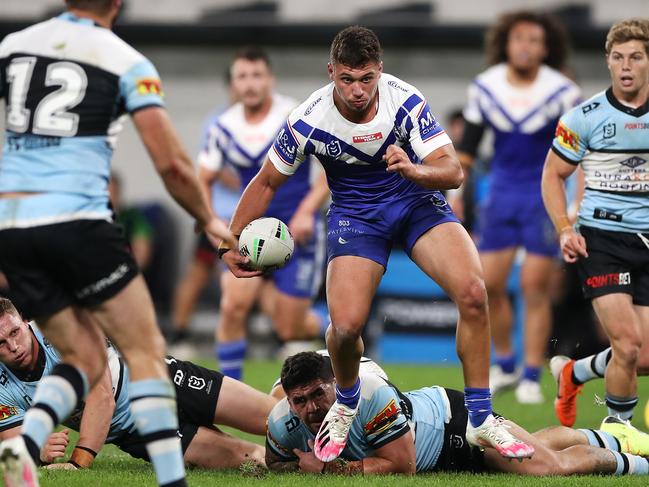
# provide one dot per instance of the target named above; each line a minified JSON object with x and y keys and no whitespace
{"x":516,"y":219}
{"x":370,"y":233}
{"x":302,"y":275}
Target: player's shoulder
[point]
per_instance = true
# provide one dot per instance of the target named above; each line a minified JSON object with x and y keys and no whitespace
{"x":553,"y":78}
{"x":493,"y":76}
{"x":10,"y":43}
{"x":283,"y":425}
{"x":284,"y":103}
{"x":315,"y":107}
{"x":397,"y":90}
{"x":588,"y":109}
{"x":231,"y":119}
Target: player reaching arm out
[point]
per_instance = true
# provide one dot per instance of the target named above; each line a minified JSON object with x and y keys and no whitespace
{"x":439,"y":170}
{"x":176,"y":170}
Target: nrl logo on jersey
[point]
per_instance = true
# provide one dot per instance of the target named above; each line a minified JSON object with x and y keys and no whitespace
{"x":633,"y":162}
{"x":609,"y":130}
{"x":334,"y":149}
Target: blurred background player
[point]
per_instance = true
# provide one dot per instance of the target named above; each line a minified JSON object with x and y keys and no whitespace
{"x":239,"y":139}
{"x":606,"y":136}
{"x":66,"y":82}
{"x":519,"y":98}
{"x":202,"y":267}
{"x":386,"y":159}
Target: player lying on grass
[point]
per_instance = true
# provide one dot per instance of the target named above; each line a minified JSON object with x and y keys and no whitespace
{"x":423,"y":431}
{"x":204,"y":398}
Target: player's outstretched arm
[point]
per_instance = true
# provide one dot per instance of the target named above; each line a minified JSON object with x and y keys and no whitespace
{"x":440,"y":169}
{"x":252,"y":205}
{"x":555,"y":173}
{"x":176,"y":168}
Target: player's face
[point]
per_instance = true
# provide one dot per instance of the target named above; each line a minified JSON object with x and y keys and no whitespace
{"x":15,"y":342}
{"x":526,"y":46}
{"x":356,"y":87}
{"x":252,"y":82}
{"x":629,"y":66}
{"x":311,"y":402}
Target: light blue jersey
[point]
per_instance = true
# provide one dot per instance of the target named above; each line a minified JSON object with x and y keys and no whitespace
{"x":611,"y":142}
{"x":16,"y":394}
{"x":380,"y":420}
{"x":66,"y":83}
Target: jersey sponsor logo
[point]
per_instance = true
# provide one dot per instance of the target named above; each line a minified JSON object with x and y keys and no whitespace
{"x":590,"y":107}
{"x":396,"y":85}
{"x":612,"y":279}
{"x":636,"y":126}
{"x":7,"y":412}
{"x":310,"y":108}
{"x":609,"y":130}
{"x":383,"y":420}
{"x":567,"y":138}
{"x":357,"y":139}
{"x":334,"y":149}
{"x":149,"y":86}
{"x":342,"y":241}
{"x":285,"y":145}
{"x":428,"y":125}
{"x":633,"y":162}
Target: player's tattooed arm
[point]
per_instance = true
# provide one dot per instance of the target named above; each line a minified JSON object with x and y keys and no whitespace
{"x":275,"y":463}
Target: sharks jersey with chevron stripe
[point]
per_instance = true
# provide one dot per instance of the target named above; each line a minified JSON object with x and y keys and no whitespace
{"x":352,"y":154}
{"x":243,"y":146}
{"x":522,"y":121}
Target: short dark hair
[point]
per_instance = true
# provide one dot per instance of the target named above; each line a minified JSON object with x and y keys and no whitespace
{"x":7,"y":307}
{"x":556,"y":38}
{"x":305,"y":367}
{"x":355,"y":46}
{"x":101,"y":6}
{"x":252,"y":53}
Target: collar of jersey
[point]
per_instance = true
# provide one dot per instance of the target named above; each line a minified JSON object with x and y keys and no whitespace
{"x":70,"y":17}
{"x":635,"y":112}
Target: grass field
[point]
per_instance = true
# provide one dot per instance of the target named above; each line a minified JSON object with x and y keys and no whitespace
{"x":114,"y":468}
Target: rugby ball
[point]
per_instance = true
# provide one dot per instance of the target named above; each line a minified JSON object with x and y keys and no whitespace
{"x":267,"y":242}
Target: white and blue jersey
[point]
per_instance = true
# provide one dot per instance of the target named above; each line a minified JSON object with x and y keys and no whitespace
{"x":66,"y":83}
{"x":16,"y":392}
{"x":243,"y":146}
{"x":372,"y":208}
{"x":381,"y":418}
{"x":611,"y":142}
{"x":352,"y":154}
{"x":522,"y":120}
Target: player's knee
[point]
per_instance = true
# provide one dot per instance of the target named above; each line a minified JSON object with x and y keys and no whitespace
{"x":472,"y":299}
{"x":626,"y":352}
{"x":232,"y":310}
{"x":346,"y":330}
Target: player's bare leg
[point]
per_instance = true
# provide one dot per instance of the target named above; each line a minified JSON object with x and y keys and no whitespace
{"x":293,"y":318}
{"x":243,"y":407}
{"x":447,"y":254}
{"x":623,"y":327}
{"x":237,"y":299}
{"x":351,"y":285}
{"x":536,"y":274}
{"x":186,"y":296}
{"x":214,"y":449}
{"x":578,"y":459}
{"x":497,"y":266}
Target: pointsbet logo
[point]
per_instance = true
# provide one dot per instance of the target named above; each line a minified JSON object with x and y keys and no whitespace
{"x":612,"y":279}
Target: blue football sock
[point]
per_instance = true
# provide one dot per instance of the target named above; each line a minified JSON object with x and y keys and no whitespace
{"x":506,"y":362}
{"x":532,"y":373}
{"x":478,"y":403}
{"x":231,"y":356}
{"x":349,"y":396}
